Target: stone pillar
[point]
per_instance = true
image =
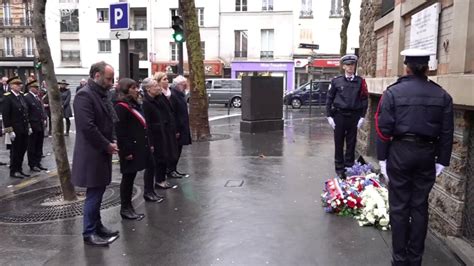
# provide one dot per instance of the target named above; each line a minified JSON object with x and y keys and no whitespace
{"x":462,"y":59}
{"x":398,"y":41}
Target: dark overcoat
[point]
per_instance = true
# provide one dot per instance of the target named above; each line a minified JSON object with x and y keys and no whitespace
{"x":66,"y":102}
{"x":132,"y":137}
{"x":36,"y":113}
{"x":15,"y":113}
{"x":161,"y":128}
{"x":91,"y":163}
{"x":180,"y":106}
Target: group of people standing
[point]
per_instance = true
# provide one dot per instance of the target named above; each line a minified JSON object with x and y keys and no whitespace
{"x":25,"y":112}
{"x":147,"y":130}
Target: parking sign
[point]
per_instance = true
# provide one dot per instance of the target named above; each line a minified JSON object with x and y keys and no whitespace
{"x":118,"y":15}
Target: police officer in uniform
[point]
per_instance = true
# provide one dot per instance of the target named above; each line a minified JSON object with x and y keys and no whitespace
{"x":15,"y":120}
{"x":37,"y":117}
{"x":346,"y":106}
{"x":414,"y":124}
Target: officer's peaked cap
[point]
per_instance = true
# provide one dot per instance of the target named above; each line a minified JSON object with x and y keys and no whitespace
{"x":416,"y":56}
{"x":349,"y":59}
{"x":33,"y":83}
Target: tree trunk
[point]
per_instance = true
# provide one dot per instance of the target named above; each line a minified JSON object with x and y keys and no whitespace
{"x":59,"y":145}
{"x":198,"y":104}
{"x":345,"y":24}
{"x":369,"y":12}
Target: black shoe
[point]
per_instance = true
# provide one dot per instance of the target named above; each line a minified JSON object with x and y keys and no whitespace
{"x":41,"y":167}
{"x":342,"y":175}
{"x":35,"y":169}
{"x":150,"y":197}
{"x":130,"y":214}
{"x":106,"y":232}
{"x":21,"y":172}
{"x":165,"y":186}
{"x":17,"y":175}
{"x":184,"y":175}
{"x":174,"y":174}
{"x":96,"y":240}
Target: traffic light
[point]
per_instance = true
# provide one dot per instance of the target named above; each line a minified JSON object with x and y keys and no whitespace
{"x":177,"y":25}
{"x":38,"y":64}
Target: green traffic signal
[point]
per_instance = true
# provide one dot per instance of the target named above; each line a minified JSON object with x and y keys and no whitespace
{"x":178,"y":37}
{"x":38,"y":65}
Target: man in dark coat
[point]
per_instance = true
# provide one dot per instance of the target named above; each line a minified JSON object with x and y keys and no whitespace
{"x":81,"y":85}
{"x":414,"y":125}
{"x":66,"y":102}
{"x":15,"y":120}
{"x":180,"y":106}
{"x":95,"y":144}
{"x":37,"y":117}
{"x":3,"y":89}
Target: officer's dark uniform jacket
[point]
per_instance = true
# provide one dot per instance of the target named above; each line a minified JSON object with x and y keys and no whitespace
{"x":15,"y":113}
{"x":416,"y":107}
{"x":347,"y":96}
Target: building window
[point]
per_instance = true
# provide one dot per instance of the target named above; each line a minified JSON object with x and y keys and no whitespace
{"x":240,"y":5}
{"x":102,"y":14}
{"x":105,"y":46}
{"x":7,"y":19}
{"x":203,"y":50}
{"x":336,"y":8}
{"x":9,"y":46}
{"x":174,"y":51}
{"x":29,"y":44}
{"x":139,"y":46}
{"x":200,"y":16}
{"x":27,"y":10}
{"x":240,"y":37}
{"x":69,"y":20}
{"x":267,"y":5}
{"x":70,"y":55}
{"x":266,"y":50}
{"x":306,"y":9}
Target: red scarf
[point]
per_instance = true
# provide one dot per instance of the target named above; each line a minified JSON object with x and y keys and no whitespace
{"x":135,"y":113}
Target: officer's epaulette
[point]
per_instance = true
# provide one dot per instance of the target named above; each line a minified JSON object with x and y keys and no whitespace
{"x":434,"y":83}
{"x":21,"y":92}
{"x":7,"y":93}
{"x":399,"y":80}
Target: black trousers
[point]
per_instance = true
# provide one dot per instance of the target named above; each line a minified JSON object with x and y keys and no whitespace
{"x":35,"y":148}
{"x":92,"y":219}
{"x":18,"y":150}
{"x":345,"y":132}
{"x":174,"y":165}
{"x":126,"y":185}
{"x":412,"y":173}
{"x":68,"y":124}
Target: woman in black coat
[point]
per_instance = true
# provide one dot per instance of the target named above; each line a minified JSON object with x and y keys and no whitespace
{"x":161,"y":128}
{"x":134,"y":148}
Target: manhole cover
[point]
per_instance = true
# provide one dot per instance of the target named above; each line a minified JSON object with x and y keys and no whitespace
{"x":234,"y":183}
{"x":43,"y":205}
{"x":215,"y":137}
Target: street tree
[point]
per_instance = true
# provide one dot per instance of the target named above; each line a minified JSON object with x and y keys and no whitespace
{"x":346,"y":18}
{"x":198,"y":103}
{"x":47,"y":68}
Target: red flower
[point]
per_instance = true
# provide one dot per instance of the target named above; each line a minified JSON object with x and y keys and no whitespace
{"x":351,"y":204}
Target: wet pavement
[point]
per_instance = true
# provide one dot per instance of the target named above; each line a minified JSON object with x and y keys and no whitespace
{"x":273,"y":218}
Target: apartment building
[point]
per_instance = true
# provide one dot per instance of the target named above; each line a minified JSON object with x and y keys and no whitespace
{"x":17,"y":45}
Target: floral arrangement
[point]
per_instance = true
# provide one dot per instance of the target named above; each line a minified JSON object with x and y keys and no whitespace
{"x":361,"y":196}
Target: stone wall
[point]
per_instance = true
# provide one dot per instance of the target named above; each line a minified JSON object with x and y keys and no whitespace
{"x":370,"y":10}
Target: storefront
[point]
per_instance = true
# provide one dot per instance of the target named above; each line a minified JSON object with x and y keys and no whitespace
{"x":318,"y":69}
{"x":212,"y":68}
{"x":272,"y":69}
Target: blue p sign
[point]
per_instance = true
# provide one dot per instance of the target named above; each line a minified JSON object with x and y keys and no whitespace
{"x":119,"y":16}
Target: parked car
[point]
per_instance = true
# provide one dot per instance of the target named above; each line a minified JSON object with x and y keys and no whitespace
{"x":301,"y":96}
{"x":225,"y":91}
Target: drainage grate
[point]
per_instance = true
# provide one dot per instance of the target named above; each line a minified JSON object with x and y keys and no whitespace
{"x":234,"y":183}
{"x":43,"y":205}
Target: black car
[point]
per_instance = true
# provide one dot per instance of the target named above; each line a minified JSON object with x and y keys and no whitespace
{"x":301,"y":96}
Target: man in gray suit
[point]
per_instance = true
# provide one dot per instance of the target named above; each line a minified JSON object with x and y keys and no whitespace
{"x":95,"y":144}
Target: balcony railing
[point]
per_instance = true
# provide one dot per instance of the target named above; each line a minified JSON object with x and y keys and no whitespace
{"x":71,"y":56}
{"x":240,"y":54}
{"x":28,"y":52}
{"x":139,"y":23}
{"x":6,"y":21}
{"x":266,"y":54}
{"x":306,"y":13}
{"x":26,"y":21}
{"x":7,"y":52}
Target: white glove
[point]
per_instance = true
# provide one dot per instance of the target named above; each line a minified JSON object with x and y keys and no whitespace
{"x":30,"y":131}
{"x":439,"y":169}
{"x":12,"y":136}
{"x":331,"y":122}
{"x":361,"y":122}
{"x":383,"y":168}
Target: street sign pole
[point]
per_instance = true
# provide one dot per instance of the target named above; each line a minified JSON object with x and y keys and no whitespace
{"x":180,"y":59}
